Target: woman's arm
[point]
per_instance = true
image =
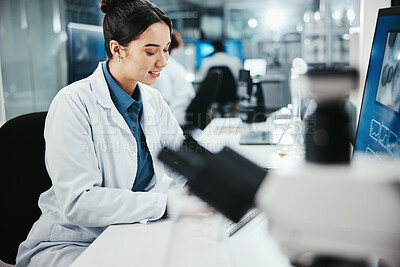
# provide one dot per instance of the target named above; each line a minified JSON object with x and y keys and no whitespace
{"x":76,"y":173}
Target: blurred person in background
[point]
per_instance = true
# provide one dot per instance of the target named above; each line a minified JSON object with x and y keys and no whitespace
{"x":220,"y":58}
{"x":176,"y":90}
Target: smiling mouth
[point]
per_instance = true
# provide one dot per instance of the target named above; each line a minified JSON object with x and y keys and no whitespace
{"x":155,"y":74}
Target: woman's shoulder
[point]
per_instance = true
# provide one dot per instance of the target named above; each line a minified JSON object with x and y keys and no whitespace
{"x":77,"y":92}
{"x":77,"y":88}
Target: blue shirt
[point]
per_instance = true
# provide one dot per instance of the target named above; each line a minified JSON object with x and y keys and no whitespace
{"x":131,"y":108}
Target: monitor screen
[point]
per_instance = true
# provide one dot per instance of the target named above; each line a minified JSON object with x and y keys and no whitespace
{"x":85,"y":50}
{"x":378,"y":129}
{"x":234,"y":48}
{"x":205,"y":49}
{"x":256,"y":66}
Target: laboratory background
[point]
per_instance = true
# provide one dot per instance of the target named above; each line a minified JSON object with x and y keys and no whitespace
{"x":269,"y":155}
{"x":42,"y":49}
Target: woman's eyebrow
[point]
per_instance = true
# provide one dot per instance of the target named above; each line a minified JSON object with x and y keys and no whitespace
{"x":151,"y":45}
{"x":154,"y":45}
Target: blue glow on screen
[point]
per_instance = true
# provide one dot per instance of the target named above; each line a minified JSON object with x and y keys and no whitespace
{"x":205,"y":49}
{"x":234,"y":48}
{"x":379,"y":123}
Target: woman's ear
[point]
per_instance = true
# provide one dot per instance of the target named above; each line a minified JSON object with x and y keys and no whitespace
{"x":116,"y":50}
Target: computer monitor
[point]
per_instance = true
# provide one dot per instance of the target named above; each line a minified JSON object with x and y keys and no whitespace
{"x":205,"y":49}
{"x":234,"y":48}
{"x":378,"y":131}
{"x":85,"y":50}
{"x":256,"y":66}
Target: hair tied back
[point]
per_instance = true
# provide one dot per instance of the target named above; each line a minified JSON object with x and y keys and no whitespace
{"x":105,"y":5}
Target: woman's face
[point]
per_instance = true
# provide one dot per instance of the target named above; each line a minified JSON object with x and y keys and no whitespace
{"x":143,"y":59}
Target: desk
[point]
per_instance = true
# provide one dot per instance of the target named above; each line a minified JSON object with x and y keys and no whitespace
{"x":151,"y":245}
{"x":157,"y":244}
{"x":226,"y":132}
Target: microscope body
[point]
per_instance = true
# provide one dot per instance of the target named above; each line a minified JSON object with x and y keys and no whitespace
{"x":345,"y":210}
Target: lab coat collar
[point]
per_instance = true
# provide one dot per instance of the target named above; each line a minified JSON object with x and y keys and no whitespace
{"x":100,"y":89}
{"x":120,"y":98}
{"x":148,"y":109}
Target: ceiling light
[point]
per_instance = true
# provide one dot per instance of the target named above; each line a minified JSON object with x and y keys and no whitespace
{"x":252,"y":23}
{"x":275,"y":18}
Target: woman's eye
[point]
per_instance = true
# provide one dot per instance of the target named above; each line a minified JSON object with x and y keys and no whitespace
{"x":150,"y":53}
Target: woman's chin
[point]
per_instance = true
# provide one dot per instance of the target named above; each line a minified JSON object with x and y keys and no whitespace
{"x":149,"y":82}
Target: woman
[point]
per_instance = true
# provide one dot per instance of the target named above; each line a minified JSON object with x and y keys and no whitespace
{"x":102,"y":137}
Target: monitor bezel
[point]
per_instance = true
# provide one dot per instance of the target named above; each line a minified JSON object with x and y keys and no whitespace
{"x":383,"y":12}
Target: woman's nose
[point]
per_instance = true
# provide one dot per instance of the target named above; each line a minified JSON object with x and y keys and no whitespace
{"x":162,"y":60}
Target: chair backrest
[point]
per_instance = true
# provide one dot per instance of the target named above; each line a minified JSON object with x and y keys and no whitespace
{"x":228,"y":92}
{"x":23,"y":179}
{"x":197,"y":113}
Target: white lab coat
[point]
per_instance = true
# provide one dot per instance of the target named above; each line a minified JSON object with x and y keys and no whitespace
{"x":219,"y":59}
{"x":91,"y":159}
{"x":175,"y":89}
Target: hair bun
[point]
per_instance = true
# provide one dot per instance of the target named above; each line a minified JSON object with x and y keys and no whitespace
{"x":105,"y":5}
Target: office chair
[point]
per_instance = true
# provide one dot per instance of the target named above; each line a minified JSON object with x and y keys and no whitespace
{"x":23,"y":179}
{"x":227,"y":98}
{"x":198,"y":112}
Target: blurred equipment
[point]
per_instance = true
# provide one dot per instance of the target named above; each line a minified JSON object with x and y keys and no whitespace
{"x":217,"y":178}
{"x":252,"y":109}
{"x":325,"y":37}
{"x":227,"y":97}
{"x":341,"y":215}
{"x":251,"y":105}
{"x":336,"y":215}
{"x":327,"y":135}
{"x":245,"y":84}
{"x":256,"y":66}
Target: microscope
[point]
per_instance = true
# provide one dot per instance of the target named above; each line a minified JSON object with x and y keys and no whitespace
{"x":251,"y":98}
{"x":329,"y":210}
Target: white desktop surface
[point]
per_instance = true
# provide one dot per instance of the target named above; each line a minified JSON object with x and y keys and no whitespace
{"x":226,"y":132}
{"x":155,"y":245}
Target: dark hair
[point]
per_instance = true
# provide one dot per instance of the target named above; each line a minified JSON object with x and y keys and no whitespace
{"x":176,"y":41}
{"x":126,"y":20}
{"x":218,"y":46}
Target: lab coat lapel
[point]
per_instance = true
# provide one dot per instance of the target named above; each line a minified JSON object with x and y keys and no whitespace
{"x":100,"y":89}
{"x":149,"y":119}
{"x":150,"y":124}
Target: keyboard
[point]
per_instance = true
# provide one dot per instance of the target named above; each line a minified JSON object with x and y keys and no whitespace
{"x":257,"y":138}
{"x":232,"y":228}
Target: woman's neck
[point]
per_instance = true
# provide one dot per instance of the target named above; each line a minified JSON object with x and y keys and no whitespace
{"x":117,"y":72}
